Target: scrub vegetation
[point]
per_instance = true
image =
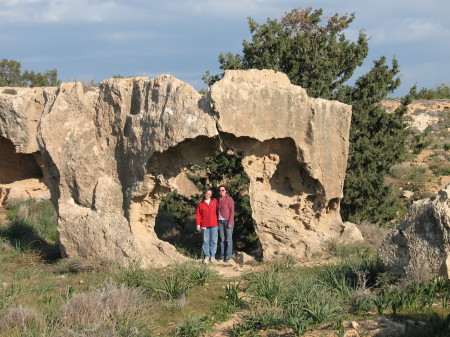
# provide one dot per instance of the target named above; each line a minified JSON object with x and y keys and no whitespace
{"x":42,"y":294}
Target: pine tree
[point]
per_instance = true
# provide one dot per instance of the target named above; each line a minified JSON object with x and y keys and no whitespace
{"x":314,"y":53}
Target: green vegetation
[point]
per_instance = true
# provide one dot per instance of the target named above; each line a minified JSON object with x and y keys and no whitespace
{"x":441,"y":91}
{"x":315,"y":54}
{"x":11,"y":76}
{"x":80,"y":297}
{"x":9,"y":91}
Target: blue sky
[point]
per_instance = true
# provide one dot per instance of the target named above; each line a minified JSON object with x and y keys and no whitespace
{"x":95,"y":39}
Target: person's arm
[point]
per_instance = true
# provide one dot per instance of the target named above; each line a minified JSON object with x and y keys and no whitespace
{"x":198,"y":217}
{"x":231,"y":218}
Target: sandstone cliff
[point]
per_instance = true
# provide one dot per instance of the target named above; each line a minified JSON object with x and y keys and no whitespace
{"x":112,"y":153}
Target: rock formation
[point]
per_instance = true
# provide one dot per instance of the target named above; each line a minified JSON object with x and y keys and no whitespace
{"x":421,"y":244}
{"x":112,"y":153}
{"x":21,"y":167}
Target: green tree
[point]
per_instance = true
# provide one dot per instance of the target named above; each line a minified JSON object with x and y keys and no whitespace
{"x":315,"y":54}
{"x":47,"y":79}
{"x":441,"y":91}
{"x":11,"y":75}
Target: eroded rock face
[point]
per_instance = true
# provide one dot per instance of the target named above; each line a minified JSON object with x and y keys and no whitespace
{"x":21,"y":167}
{"x":295,"y":154}
{"x":421,"y":244}
{"x":112,"y":153}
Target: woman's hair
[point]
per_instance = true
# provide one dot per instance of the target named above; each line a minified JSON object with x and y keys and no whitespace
{"x":204,"y":193}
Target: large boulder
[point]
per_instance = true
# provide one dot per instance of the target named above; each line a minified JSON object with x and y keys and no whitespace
{"x":112,"y":153}
{"x":421,"y":244}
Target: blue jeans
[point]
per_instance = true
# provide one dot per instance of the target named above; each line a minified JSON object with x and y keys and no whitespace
{"x":209,"y":241}
{"x":226,"y":240}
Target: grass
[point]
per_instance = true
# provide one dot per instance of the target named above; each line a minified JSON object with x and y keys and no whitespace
{"x":39,"y":296}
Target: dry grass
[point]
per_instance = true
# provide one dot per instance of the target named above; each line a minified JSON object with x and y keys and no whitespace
{"x":20,"y":318}
{"x":373,"y":234}
{"x":98,"y":307}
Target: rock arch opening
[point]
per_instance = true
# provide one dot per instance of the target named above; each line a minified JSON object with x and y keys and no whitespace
{"x":21,"y":175}
{"x":284,"y":203}
{"x":17,"y":166}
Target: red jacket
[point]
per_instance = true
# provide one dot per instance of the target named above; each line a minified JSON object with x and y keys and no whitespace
{"x":206,"y":215}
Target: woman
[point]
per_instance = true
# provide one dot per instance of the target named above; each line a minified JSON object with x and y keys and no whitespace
{"x":206,"y":221}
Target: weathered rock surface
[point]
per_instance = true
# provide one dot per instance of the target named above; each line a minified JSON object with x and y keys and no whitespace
{"x":295,"y":151}
{"x":19,"y":152}
{"x":112,"y":153}
{"x":421,"y":244}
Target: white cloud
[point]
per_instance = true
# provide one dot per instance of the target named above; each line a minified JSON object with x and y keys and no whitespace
{"x":19,"y":2}
{"x":126,"y":35}
{"x":408,"y":30}
{"x":67,"y":11}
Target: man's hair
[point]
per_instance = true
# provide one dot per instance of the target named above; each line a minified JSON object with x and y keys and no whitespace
{"x":226,"y":189}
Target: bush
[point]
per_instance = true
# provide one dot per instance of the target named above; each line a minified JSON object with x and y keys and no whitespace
{"x":10,"y":91}
{"x":132,"y":276}
{"x":268,"y":286}
{"x":21,"y":318}
{"x":110,"y":308}
{"x":192,"y":327}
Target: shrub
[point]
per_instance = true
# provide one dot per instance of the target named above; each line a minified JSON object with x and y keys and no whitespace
{"x":439,"y":326}
{"x":192,"y":327}
{"x":263,"y":317}
{"x":231,"y":294}
{"x":283,"y":263}
{"x":21,"y":318}
{"x":33,"y":225}
{"x":268,"y":286}
{"x":10,"y":91}
{"x":76,"y":265}
{"x":110,"y":308}
{"x":382,"y":302}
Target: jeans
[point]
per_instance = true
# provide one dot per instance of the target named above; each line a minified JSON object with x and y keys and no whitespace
{"x":226,"y":240}
{"x":209,"y":241}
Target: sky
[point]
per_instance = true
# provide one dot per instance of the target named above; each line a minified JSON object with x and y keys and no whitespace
{"x":92,"y":40}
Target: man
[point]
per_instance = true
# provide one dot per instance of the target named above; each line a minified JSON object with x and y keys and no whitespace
{"x":225,"y":213}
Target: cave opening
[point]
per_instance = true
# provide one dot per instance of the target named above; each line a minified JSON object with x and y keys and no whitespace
{"x":208,"y":168}
{"x":17,"y":166}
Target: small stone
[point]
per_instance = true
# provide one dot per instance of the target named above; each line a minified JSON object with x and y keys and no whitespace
{"x":421,"y":323}
{"x":80,"y":281}
{"x":346,"y":324}
{"x":354,"y":324}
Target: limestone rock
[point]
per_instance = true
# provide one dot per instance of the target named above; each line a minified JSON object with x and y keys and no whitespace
{"x":21,"y":167}
{"x":445,"y":267}
{"x":23,"y":190}
{"x":349,"y":234}
{"x":421,"y":244}
{"x":112,"y":153}
{"x":295,"y":154}
{"x":20,"y":115}
{"x":243,"y":258}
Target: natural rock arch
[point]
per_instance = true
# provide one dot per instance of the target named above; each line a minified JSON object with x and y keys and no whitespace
{"x":111,"y":153}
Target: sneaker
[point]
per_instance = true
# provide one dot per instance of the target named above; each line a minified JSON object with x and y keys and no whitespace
{"x":212,"y":260}
{"x":226,"y":260}
{"x":206,"y":260}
